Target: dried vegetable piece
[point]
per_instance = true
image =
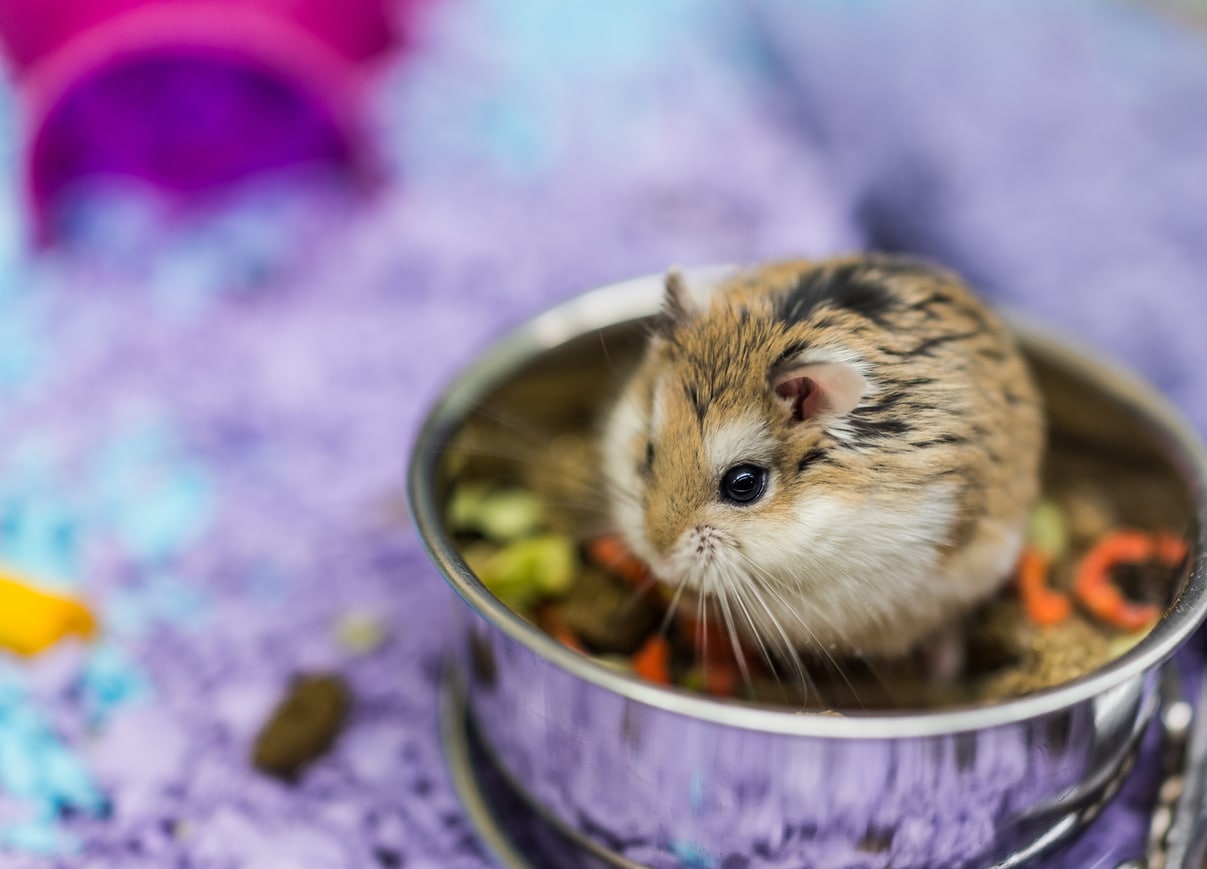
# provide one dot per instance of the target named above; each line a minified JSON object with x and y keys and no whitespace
{"x":652,"y":661}
{"x":1042,"y":604}
{"x":1094,"y":589}
{"x":503,"y":514}
{"x":526,"y":571}
{"x":1048,"y":531}
{"x":607,"y":615}
{"x":360,"y":632}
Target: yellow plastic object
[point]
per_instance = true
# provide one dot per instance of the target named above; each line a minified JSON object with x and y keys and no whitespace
{"x":32,"y":620}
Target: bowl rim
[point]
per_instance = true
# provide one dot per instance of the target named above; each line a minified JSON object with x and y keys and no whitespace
{"x":637,"y":298}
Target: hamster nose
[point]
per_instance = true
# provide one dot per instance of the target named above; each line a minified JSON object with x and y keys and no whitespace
{"x":704,"y":540}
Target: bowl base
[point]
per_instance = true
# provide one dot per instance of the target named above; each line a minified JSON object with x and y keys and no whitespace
{"x":514,"y":834}
{"x":517,"y":836}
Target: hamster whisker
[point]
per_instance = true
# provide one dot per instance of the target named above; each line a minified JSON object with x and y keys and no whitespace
{"x":639,"y":592}
{"x":520,"y":457}
{"x":673,"y":606}
{"x":833,"y":663}
{"x":615,"y":491}
{"x":789,"y":652}
{"x":642,"y":589}
{"x":583,"y":531}
{"x":765,"y":582}
{"x":731,"y":629}
{"x":739,"y":596}
{"x":618,"y":375}
{"x":511,"y":422}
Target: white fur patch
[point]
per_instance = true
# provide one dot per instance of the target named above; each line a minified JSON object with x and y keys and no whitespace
{"x":702,"y":287}
{"x":833,"y":354}
{"x":624,"y":427}
{"x":839,"y":574}
{"x":742,"y":441}
{"x":991,"y":555}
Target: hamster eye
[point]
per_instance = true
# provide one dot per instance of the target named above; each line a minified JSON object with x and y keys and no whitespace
{"x":743,"y":484}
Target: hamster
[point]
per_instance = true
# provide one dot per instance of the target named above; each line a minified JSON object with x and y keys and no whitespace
{"x":841,"y":456}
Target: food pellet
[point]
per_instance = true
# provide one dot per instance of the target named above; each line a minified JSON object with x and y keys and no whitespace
{"x":360,"y":632}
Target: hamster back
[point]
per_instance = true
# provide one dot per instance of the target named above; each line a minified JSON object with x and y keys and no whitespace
{"x":838,"y":455}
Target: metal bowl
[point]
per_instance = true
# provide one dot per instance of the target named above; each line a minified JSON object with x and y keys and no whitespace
{"x":645,"y":775}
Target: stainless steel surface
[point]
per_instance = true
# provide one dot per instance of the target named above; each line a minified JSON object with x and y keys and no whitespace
{"x":664,"y":778}
{"x":1187,"y":836}
{"x":514,"y":833}
{"x":482,"y":815}
{"x":1176,"y":717}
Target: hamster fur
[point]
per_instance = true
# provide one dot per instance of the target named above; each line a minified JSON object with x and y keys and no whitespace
{"x":841,"y":455}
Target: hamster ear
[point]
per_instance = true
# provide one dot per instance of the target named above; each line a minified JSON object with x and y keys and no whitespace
{"x":819,"y":389}
{"x":678,"y":306}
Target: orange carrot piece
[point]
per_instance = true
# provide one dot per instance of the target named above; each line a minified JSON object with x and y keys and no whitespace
{"x":1122,"y":546}
{"x":611,"y":554}
{"x":1043,"y":604}
{"x":1171,"y":549}
{"x":652,"y":660}
{"x":1098,"y":594}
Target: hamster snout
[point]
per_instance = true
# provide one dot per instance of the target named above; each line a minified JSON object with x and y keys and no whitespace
{"x":841,"y":453}
{"x":705,"y":541}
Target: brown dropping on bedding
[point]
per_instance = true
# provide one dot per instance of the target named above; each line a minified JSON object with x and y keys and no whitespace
{"x":303,"y":726}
